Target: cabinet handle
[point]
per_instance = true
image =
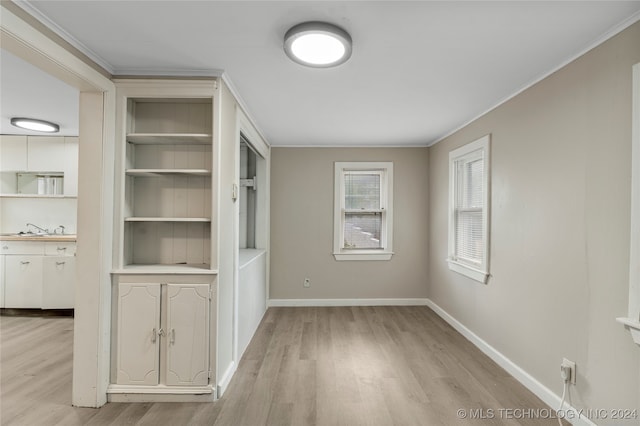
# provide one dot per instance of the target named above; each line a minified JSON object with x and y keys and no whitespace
{"x":155,"y":333}
{"x":25,"y":263}
{"x":62,"y":248}
{"x":173,"y":336}
{"x":5,"y":247}
{"x":60,"y":263}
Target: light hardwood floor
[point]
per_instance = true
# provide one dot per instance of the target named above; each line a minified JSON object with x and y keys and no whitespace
{"x":305,"y":366}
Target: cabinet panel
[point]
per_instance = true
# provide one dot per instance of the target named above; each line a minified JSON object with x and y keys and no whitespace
{"x":23,"y":281}
{"x":23,"y":247}
{"x":58,"y":288}
{"x":60,"y":249}
{"x":187,"y":334}
{"x":2,"y":269}
{"x":138,"y":334}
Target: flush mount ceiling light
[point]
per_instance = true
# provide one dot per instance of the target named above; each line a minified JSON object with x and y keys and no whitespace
{"x":317,"y":44}
{"x":36,"y":125}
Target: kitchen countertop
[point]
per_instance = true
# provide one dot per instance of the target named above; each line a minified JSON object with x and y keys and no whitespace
{"x":49,"y":238}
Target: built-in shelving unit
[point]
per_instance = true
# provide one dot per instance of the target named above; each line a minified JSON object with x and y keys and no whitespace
{"x":165,"y":270}
{"x":168,"y":183}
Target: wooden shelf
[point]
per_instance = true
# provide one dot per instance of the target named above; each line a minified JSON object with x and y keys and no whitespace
{"x":169,"y":138}
{"x":36,"y":196}
{"x":163,"y":172}
{"x":167,"y":219}
{"x":166,"y":269}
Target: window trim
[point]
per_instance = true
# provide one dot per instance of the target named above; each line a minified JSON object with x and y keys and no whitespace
{"x":480,"y":272}
{"x":386,"y":201}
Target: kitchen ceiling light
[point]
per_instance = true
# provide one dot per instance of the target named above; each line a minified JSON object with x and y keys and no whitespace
{"x":36,"y":125}
{"x":317,"y":44}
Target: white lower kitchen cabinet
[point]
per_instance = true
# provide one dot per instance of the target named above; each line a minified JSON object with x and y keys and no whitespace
{"x":59,"y":276}
{"x":37,"y":275}
{"x":163,"y":338}
{"x":23,"y":281}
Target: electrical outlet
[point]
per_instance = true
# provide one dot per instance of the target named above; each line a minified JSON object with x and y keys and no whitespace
{"x":306,"y":283}
{"x":568,"y":368}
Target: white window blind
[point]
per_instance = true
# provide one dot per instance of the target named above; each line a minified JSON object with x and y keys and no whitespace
{"x":469,"y":209}
{"x":469,"y":224}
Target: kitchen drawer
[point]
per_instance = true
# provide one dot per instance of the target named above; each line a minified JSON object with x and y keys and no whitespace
{"x":22,"y":247}
{"x":60,"y":249}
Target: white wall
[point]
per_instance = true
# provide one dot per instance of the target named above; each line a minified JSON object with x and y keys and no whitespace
{"x":559,"y":228}
{"x":45,"y":212}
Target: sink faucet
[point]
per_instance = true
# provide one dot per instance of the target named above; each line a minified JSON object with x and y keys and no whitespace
{"x":42,"y":230}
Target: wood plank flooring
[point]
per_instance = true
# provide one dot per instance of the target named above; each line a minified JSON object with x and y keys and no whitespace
{"x":305,"y":366}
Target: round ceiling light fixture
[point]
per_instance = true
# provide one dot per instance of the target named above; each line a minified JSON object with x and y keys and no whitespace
{"x":35,"y":125}
{"x":317,"y":44}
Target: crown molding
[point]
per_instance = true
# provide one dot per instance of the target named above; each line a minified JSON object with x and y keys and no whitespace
{"x":166,"y":72}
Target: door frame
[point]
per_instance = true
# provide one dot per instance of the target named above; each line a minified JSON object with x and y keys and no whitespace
{"x":28,"y":39}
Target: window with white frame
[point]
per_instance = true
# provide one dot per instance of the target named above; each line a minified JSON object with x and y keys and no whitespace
{"x":469,"y":209}
{"x":363,"y":211}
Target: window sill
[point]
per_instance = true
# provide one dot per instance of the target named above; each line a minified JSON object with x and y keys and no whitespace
{"x":363,"y":255}
{"x":633,"y":326}
{"x":474,"y":274}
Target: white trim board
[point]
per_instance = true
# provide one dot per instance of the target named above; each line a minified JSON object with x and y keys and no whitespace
{"x":540,"y":390}
{"x":346,"y":302}
{"x":225,"y":379}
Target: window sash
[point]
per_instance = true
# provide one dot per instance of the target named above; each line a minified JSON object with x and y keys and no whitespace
{"x":468,"y":226}
{"x":359,"y":239}
{"x":364,"y":231}
{"x":361,"y":218}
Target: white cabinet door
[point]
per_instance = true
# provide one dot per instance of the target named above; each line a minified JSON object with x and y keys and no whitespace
{"x":58,"y":288}
{"x":187,"y":334}
{"x":23,"y":282}
{"x":2,"y":268}
{"x":138,"y":334}
{"x":14,"y":152}
{"x":45,"y":153}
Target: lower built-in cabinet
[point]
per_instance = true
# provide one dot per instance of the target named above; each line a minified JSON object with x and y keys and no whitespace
{"x":163,"y":338}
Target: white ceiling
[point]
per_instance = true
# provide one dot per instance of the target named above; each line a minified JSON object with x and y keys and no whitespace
{"x":419,"y":69}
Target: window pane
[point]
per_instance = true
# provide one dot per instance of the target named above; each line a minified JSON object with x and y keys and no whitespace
{"x":469,"y":241}
{"x":362,"y":191}
{"x":471,"y":178}
{"x":362,"y":231}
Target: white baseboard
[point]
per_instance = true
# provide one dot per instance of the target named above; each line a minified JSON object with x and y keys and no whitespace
{"x":347,"y":302}
{"x":225,"y":379}
{"x":572,"y":415}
